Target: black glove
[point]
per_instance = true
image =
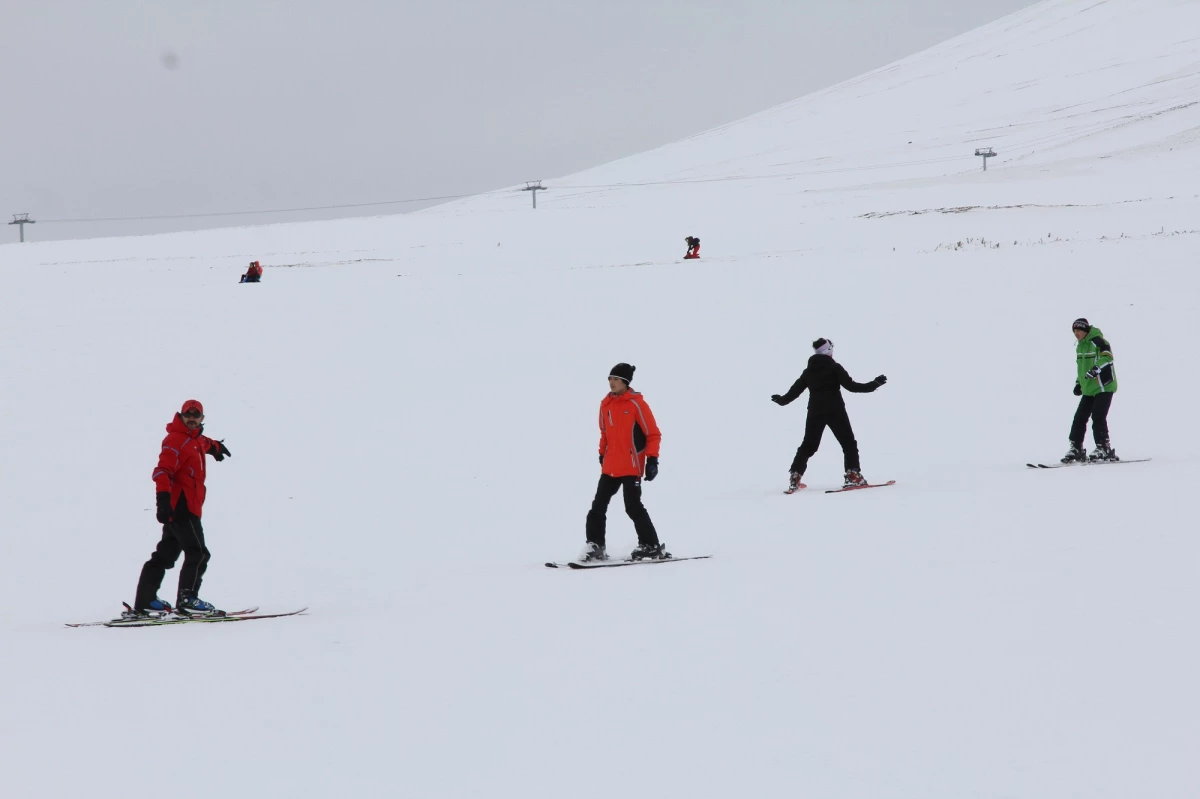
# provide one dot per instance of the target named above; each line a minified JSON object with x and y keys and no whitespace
{"x":601,"y":458}
{"x":1092,"y":373}
{"x":651,"y":468}
{"x":219,"y":451}
{"x":1078,"y":390}
{"x":163,"y":502}
{"x":879,"y":381}
{"x":775,"y":398}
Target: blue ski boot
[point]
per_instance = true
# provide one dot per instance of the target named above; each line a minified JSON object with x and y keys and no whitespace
{"x":192,"y":605}
{"x":155,"y":608}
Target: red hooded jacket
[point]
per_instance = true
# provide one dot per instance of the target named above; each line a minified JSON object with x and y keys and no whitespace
{"x":180,"y":467}
{"x":628,"y":434}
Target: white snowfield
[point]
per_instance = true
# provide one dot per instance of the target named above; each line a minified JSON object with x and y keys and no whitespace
{"x":411,"y":406}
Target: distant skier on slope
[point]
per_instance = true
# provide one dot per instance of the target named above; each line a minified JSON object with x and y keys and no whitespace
{"x":179,"y":478}
{"x":253,"y":274}
{"x":629,"y":439}
{"x":824,"y":378}
{"x":1095,"y":384}
{"x":693,"y":250}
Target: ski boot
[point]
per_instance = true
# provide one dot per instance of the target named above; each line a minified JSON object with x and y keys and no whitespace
{"x":854,"y":479}
{"x":192,"y":605}
{"x":1102,"y":453}
{"x":593,"y":552}
{"x":1076,"y":454}
{"x":794,"y":483}
{"x":154,"y":609}
{"x":650,"y":552}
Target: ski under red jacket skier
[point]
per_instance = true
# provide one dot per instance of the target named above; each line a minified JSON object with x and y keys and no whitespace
{"x":179,"y":499}
{"x":629,"y":441}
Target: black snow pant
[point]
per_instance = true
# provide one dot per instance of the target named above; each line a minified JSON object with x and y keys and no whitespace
{"x":1097,"y":408}
{"x":605,"y":491}
{"x":182,"y":534}
{"x":838,"y":422}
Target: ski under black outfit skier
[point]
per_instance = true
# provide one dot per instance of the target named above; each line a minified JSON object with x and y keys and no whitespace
{"x":179,"y":479}
{"x":825,"y":378}
{"x":1095,"y":384}
{"x":629,"y":441}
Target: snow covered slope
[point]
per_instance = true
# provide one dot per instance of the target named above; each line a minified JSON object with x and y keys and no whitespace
{"x":410,"y":403}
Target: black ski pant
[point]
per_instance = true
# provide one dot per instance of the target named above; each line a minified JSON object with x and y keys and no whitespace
{"x":605,"y":491}
{"x":839,"y":423}
{"x":182,"y":534}
{"x":1097,"y":409}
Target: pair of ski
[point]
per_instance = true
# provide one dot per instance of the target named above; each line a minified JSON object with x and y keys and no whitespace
{"x":612,"y":564}
{"x":163,"y":619}
{"x":1087,"y":463}
{"x":843,"y":489}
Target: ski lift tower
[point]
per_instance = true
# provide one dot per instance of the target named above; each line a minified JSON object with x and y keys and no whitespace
{"x":534,"y":186}
{"x":22,"y":220}
{"x":985,"y":153}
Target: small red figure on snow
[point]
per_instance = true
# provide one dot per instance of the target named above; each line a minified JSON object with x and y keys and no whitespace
{"x":693,"y":250}
{"x":253,"y":274}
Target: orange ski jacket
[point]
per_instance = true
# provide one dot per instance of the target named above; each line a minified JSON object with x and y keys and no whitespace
{"x":628,"y":434}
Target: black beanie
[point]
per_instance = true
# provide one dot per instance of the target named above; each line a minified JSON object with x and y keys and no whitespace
{"x":823,"y":346}
{"x":1081,"y":324}
{"x":623,"y":371}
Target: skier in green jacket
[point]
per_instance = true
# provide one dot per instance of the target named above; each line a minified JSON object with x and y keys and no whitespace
{"x":1095,"y":384}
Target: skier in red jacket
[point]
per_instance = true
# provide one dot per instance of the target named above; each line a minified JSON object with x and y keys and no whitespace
{"x":253,"y":274}
{"x":179,"y":479}
{"x":693,"y":250}
{"x":629,"y":439}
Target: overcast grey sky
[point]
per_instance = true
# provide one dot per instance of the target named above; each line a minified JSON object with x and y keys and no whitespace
{"x":135,"y":108}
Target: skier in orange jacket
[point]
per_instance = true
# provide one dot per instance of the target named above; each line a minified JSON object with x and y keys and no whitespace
{"x":629,"y":441}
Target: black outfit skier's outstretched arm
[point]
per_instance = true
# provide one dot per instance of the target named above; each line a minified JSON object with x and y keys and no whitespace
{"x":795,"y":391}
{"x":855,"y":388}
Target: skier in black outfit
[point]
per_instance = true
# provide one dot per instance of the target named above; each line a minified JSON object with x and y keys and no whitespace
{"x":824,"y":378}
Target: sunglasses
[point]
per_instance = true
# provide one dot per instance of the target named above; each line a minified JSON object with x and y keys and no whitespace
{"x":192,"y":414}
